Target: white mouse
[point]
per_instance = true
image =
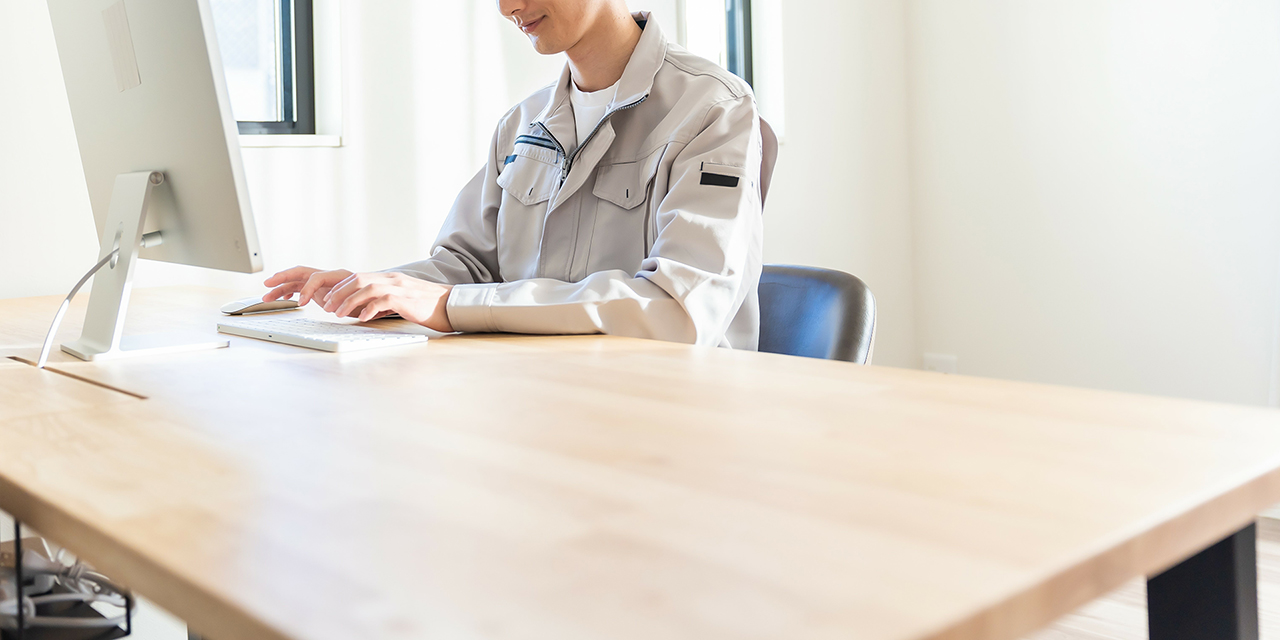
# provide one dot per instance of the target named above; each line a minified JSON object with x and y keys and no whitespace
{"x":256,"y":305}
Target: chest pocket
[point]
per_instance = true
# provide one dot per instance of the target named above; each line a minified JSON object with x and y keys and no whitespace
{"x":625,"y":184}
{"x":530,"y":174}
{"x":624,"y":226}
{"x":529,"y":177}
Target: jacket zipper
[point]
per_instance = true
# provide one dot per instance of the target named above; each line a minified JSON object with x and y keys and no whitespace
{"x":568,"y":159}
{"x":559,"y":149}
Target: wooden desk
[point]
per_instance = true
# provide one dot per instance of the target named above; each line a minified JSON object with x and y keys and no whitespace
{"x":595,"y":487}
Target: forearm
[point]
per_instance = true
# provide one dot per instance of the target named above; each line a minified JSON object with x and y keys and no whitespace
{"x":609,"y":302}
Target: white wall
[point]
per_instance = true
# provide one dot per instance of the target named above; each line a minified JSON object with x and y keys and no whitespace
{"x":840,"y":194}
{"x":47,"y":238}
{"x":1095,"y":193}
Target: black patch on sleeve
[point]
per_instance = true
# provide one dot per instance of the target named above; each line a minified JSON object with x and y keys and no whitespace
{"x":719,"y":179}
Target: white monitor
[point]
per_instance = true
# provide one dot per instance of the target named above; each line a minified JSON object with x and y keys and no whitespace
{"x":159,"y":146}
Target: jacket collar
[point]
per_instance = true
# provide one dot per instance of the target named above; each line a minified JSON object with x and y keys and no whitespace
{"x":636,"y":81}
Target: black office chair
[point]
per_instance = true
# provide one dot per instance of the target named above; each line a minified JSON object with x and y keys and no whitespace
{"x":816,"y":313}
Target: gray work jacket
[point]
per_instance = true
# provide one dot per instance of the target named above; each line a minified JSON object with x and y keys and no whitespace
{"x":650,"y":228}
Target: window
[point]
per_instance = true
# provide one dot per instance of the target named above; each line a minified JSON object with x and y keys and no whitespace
{"x":745,"y":37}
{"x":719,"y":30}
{"x":268,"y":58}
{"x":738,"y":38}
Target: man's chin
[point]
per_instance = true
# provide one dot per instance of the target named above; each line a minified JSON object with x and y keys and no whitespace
{"x":545,"y":46}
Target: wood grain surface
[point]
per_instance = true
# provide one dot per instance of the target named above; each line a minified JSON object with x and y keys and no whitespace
{"x":597,"y":487}
{"x":1122,"y":614}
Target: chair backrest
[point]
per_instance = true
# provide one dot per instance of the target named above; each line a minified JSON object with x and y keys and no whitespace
{"x":769,"y":147}
{"x":816,"y":313}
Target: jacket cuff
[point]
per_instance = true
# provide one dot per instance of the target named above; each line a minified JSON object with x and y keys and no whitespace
{"x":469,"y":307}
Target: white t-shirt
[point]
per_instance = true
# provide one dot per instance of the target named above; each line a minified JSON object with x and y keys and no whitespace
{"x":589,"y":108}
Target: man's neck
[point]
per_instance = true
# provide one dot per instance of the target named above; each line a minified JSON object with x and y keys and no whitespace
{"x":598,"y":60}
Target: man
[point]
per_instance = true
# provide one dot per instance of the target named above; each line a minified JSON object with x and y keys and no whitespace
{"x":622,"y":200}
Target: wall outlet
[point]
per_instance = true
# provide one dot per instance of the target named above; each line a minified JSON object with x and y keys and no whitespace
{"x":940,"y":362}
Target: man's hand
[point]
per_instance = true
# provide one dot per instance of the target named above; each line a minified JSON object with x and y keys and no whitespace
{"x":372,"y":295}
{"x":309,"y":283}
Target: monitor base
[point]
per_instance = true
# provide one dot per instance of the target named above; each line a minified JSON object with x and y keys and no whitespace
{"x":102,"y":335}
{"x":146,"y":344}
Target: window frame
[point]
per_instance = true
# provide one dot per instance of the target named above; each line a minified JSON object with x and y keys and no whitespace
{"x":297,"y":74}
{"x":738,"y":39}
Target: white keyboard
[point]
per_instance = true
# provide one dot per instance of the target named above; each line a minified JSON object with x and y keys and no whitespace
{"x":317,"y":334}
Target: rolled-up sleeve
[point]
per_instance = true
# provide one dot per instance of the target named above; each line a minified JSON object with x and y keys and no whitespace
{"x":704,"y":263}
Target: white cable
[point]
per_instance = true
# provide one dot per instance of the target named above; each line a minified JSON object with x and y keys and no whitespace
{"x":153,"y":239}
{"x":86,"y":586}
{"x":62,"y":310}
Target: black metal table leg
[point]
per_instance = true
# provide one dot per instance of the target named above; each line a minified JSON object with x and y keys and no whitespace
{"x":1212,"y":595}
{"x":17,"y":575}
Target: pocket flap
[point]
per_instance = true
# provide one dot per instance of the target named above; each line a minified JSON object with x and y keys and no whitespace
{"x":528,"y":180}
{"x":625,"y":183}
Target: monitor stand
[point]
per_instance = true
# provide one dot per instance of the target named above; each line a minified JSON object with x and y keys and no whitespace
{"x":109,"y":299}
